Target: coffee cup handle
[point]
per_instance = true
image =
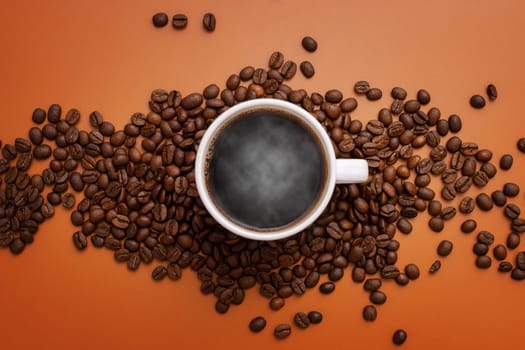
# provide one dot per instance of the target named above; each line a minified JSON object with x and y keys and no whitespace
{"x":349,"y":171}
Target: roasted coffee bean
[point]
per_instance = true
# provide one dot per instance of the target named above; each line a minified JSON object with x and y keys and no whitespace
{"x":467,"y":204}
{"x":512,"y":211}
{"x":17,"y":246}
{"x":38,"y":116}
{"x":68,"y":200}
{"x":412,"y":106}
{"x":511,"y":189}
{"x":448,"y":213}
{"x":513,"y":240}
{"x":480,"y":249}
{"x":505,"y":266}
{"x":480,"y":179}
{"x":518,"y":225}
{"x":500,"y":252}
{"x":209,"y":21}
{"x":492,"y":93}
{"x":398,"y":93}
{"x":455,"y":123}
{"x":468,"y":226}
{"x":484,"y":202}
{"x":374,"y":94}
{"x":404,"y":226}
{"x":412,"y":271}
{"x":369,"y":313}
{"x":521,"y":145}
{"x":518,"y":274}
{"x":307,"y":69}
{"x":160,"y":19}
{"x":315,"y":317}
{"x":483,"y":262}
{"x":282,"y":331}
{"x":372,"y":284}
{"x":399,"y":337}
{"x":327,"y":287}
{"x":309,"y":44}
{"x":499,"y":198}
{"x":377,"y":297}
{"x":301,"y":320}
{"x":179,"y":21}
{"x":520,"y":260}
{"x":288,"y":69}
{"x":257,"y":324}
{"x":477,"y":101}
{"x":436,"y":265}
{"x":402,"y":279}
{"x":434,"y":208}
{"x":174,"y":269}
{"x":444,"y":248}
{"x":361,"y":87}
{"x":423,"y":96}
{"x":436,"y":224}
{"x":79,"y":240}
{"x":276,"y":303}
{"x":485,"y":237}
{"x":505,"y":163}
{"x":159,"y":273}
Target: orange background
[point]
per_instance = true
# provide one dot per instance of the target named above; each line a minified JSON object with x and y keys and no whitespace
{"x":106,"y":55}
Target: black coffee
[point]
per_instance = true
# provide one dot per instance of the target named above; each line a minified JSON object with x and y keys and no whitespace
{"x":266,"y":170}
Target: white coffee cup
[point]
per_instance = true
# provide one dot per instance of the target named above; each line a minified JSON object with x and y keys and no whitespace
{"x":339,"y":171}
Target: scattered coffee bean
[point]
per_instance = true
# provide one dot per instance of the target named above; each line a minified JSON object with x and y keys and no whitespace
{"x":327,"y":287}
{"x":484,"y":202}
{"x":492,"y":93}
{"x":512,"y":211}
{"x":179,"y":21}
{"x":377,"y":297}
{"x":374,"y":94}
{"x":500,"y":252}
{"x":505,"y":266}
{"x":436,"y":224}
{"x":477,"y":101}
{"x":301,"y":320}
{"x":309,"y":44}
{"x":521,"y":145}
{"x":372,"y":284}
{"x":399,"y":337}
{"x":483,"y":262}
{"x":362,"y":87}
{"x":436,"y":265}
{"x":209,"y":21}
{"x":468,"y":226}
{"x":518,"y":274}
{"x":160,"y":19}
{"x":369,"y":313}
{"x":444,"y":248}
{"x":159,"y":273}
{"x":307,"y":69}
{"x":511,"y":189}
{"x":513,"y":240}
{"x":315,"y":317}
{"x":257,"y":324}
{"x":505,"y":163}
{"x":412,"y":271}
{"x":282,"y":331}
{"x":423,"y":97}
{"x":499,"y":198}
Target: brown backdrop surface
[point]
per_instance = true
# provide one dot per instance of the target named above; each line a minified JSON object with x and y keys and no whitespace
{"x":106,"y":55}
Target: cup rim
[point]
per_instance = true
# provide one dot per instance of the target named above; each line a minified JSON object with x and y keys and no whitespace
{"x":289,"y":230}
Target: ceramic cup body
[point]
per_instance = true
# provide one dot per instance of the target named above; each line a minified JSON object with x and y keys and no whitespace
{"x":337,"y":170}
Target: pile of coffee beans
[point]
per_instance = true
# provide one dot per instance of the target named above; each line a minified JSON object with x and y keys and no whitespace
{"x":140,"y":201}
{"x":180,"y":21}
